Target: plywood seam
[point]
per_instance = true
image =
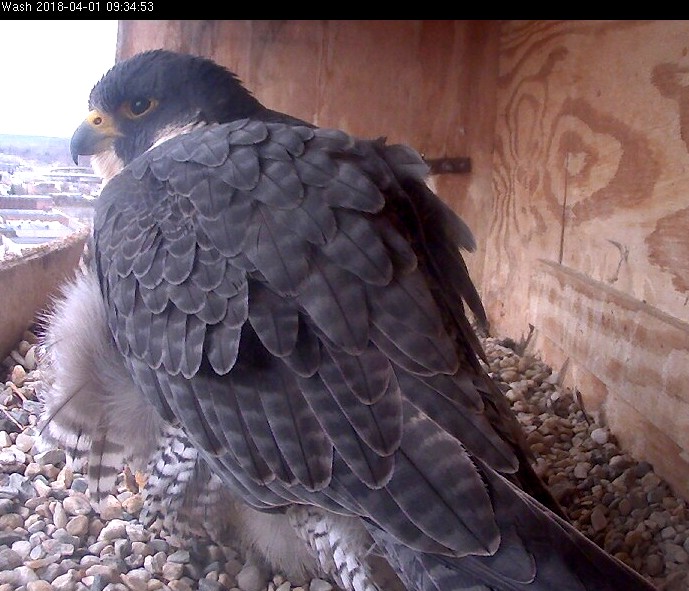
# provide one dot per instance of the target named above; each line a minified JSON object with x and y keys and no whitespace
{"x":624,"y":299}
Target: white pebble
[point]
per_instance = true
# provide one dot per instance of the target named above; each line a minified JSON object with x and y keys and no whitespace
{"x":137,"y":580}
{"x":25,"y":574}
{"x":65,"y":478}
{"x":22,"y":547}
{"x":42,"y":489}
{"x":553,"y":378}
{"x":136,"y":532}
{"x":5,"y":439}
{"x":43,"y":562}
{"x":64,"y":582}
{"x":60,"y":518}
{"x":24,"y":442}
{"x":30,"y":358}
{"x":77,"y":504}
{"x":32,"y":469}
{"x":113,"y":530}
{"x":154,"y":563}
{"x":179,"y":585}
{"x":11,"y":455}
{"x":650,"y":481}
{"x":582,"y":470}
{"x":24,"y":345}
{"x":104,"y":570}
{"x":600,"y":435}
{"x":598,"y":519}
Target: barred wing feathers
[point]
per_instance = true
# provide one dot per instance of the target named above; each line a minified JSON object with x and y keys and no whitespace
{"x":275,"y":288}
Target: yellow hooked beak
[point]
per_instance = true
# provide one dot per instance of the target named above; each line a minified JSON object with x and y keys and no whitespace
{"x":95,"y":134}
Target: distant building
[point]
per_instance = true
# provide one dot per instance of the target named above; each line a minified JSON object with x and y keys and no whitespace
{"x":41,"y":201}
{"x":66,"y":179}
{"x":39,"y":206}
{"x":5,"y":186}
{"x":24,"y":229}
{"x":26,"y":202}
{"x":74,"y":174}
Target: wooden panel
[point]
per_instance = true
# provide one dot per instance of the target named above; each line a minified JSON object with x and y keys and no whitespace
{"x":29,"y":283}
{"x":638,"y":355}
{"x":591,"y":161}
{"x":591,"y":173}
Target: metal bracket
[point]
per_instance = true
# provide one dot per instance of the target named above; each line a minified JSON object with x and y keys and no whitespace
{"x":459,"y":165}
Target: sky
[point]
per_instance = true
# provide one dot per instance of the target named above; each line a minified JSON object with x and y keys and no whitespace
{"x":47,"y":70}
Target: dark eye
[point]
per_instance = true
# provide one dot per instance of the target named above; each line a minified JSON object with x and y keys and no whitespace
{"x":139,"y":106}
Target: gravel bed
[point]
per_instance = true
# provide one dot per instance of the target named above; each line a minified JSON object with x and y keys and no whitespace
{"x":50,"y":538}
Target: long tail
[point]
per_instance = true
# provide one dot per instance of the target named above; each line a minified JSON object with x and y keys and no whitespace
{"x":539,"y":551}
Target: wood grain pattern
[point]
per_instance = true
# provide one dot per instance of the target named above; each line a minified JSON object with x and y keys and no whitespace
{"x":590,"y":174}
{"x":591,"y":159}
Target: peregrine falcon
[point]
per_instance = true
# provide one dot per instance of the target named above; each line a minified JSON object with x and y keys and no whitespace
{"x":278,"y":317}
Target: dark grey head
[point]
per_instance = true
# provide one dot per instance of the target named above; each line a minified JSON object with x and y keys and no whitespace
{"x":154,"y":95}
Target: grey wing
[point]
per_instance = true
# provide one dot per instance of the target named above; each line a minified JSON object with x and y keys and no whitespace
{"x":279,"y":291}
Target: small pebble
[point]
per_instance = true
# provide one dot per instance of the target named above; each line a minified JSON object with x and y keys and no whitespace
{"x":77,"y":504}
{"x":51,"y":539}
{"x":6,"y":440}
{"x":25,"y":441}
{"x":18,"y":375}
{"x":600,"y":436}
{"x":174,"y":570}
{"x":9,"y":559}
{"x":598,"y":519}
{"x":39,"y":586}
{"x":78,"y":525}
{"x":133,"y":504}
{"x":50,"y":456}
{"x":111,"y":509}
{"x":30,"y":359}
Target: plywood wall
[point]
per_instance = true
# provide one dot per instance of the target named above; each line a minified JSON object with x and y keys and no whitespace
{"x":589,"y":236}
{"x":578,"y":132}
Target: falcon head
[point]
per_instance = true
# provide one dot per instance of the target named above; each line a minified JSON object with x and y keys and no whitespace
{"x":153,"y":96}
